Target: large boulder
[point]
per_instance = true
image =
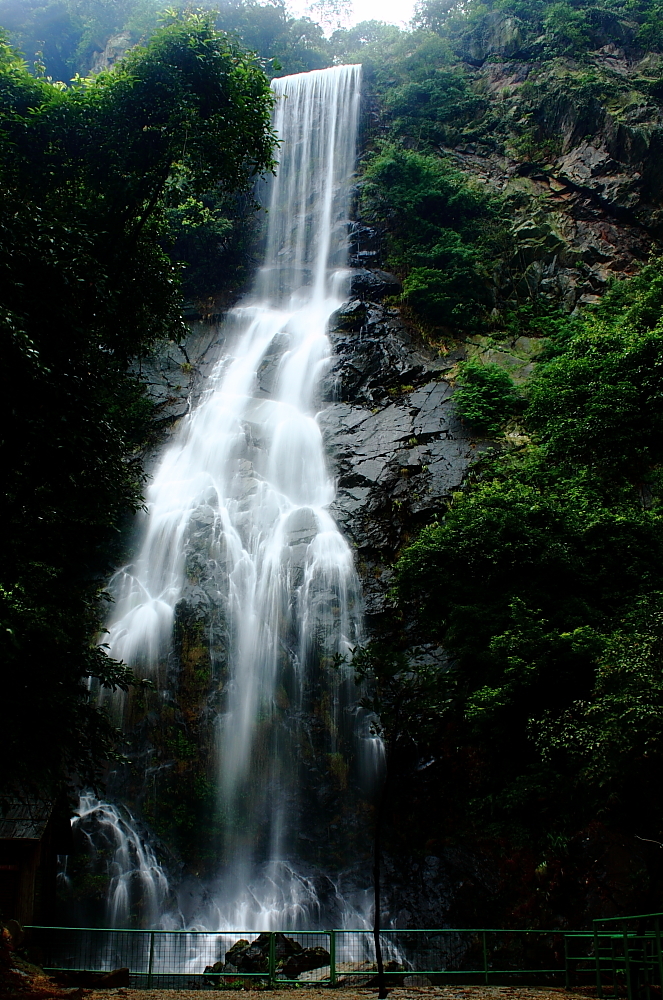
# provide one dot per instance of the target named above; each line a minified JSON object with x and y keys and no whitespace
{"x":253,"y":956}
{"x":245,"y":956}
{"x":291,"y":958}
{"x":304,"y":961}
{"x":497,"y":35}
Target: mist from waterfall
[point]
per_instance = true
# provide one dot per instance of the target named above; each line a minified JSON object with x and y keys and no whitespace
{"x":241,"y":498}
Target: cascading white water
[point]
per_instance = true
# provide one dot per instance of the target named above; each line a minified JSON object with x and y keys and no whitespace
{"x":136,"y":877}
{"x":244,"y":492}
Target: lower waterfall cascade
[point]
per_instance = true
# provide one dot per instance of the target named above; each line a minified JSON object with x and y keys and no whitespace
{"x":238,"y":507}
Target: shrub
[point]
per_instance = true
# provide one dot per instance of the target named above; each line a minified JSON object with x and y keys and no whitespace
{"x":437,"y":226}
{"x":486,"y":396}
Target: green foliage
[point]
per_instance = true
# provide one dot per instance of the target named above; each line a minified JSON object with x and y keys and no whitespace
{"x":565,"y":30}
{"x":365,"y":41}
{"x":63,"y":37}
{"x":213,"y":236}
{"x":287,"y":44}
{"x":436,"y":223}
{"x":547,"y":30}
{"x":597,"y":404}
{"x":88,"y":173}
{"x":543,"y":583}
{"x":433,"y":108}
{"x":486,"y":396}
{"x":616,"y":737}
{"x":650,"y":32}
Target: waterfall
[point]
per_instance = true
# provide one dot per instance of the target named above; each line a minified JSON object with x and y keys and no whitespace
{"x":136,"y":879}
{"x":239,"y":504}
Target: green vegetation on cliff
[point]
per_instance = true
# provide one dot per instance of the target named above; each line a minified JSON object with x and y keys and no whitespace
{"x":439,"y":232}
{"x":543,"y":580}
{"x":513,"y":176}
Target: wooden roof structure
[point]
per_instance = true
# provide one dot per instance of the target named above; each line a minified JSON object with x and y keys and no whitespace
{"x":24,"y":818}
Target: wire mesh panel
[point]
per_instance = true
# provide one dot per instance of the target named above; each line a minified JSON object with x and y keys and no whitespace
{"x":160,"y":958}
{"x":78,"y":949}
{"x":309,"y":962}
{"x":186,"y":959}
{"x":479,"y":953}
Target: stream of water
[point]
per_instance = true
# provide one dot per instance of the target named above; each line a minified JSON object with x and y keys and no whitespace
{"x":243,"y":491}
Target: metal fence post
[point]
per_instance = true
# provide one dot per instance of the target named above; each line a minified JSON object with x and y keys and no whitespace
{"x":272,"y":958}
{"x":627,"y":962}
{"x":659,"y":954}
{"x":485,"y":956}
{"x":597,"y":959}
{"x":332,"y":958}
{"x":567,"y":970}
{"x":150,"y":964}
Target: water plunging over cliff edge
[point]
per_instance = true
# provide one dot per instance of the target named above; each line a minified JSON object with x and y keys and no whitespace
{"x":238,"y":509}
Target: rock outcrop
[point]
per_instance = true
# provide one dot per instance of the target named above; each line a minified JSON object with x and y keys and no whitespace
{"x":290,"y":959}
{"x":172,"y":373}
{"x":574,"y":148}
{"x":392,"y":437}
{"x":115,"y":49}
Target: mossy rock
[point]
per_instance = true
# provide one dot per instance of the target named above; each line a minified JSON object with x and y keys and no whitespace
{"x":515,"y":354}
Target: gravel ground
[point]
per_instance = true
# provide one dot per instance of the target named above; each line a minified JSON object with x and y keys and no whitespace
{"x":307,"y":993}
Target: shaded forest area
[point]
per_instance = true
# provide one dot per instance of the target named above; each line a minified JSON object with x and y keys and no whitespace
{"x":511,"y":177}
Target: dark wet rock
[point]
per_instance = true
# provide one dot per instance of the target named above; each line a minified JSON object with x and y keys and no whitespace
{"x":393,"y":440}
{"x":269,"y":367}
{"x":363,"y":239}
{"x":246,"y":956}
{"x":291,"y":958}
{"x":373,"y":284}
{"x":351,"y":316}
{"x":420,"y":891}
{"x":301,"y":527}
{"x":170,"y":371}
{"x":304,"y":961}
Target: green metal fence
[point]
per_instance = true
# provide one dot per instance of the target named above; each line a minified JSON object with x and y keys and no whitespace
{"x":194,"y":959}
{"x":622,"y":955}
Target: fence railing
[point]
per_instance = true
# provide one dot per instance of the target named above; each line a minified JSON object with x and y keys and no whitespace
{"x":199,"y":959}
{"x":620,"y":953}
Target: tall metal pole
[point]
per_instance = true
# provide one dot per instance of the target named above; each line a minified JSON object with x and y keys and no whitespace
{"x":382,"y":987}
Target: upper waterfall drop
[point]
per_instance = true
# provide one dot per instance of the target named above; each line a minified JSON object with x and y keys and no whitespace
{"x":238,"y":511}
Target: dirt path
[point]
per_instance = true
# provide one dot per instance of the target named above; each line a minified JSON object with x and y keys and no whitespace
{"x":309,"y":993}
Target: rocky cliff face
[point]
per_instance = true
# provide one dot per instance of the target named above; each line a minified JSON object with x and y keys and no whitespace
{"x":575,"y":148}
{"x":392,"y":437}
{"x":578,"y":162}
{"x":397,"y":451}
